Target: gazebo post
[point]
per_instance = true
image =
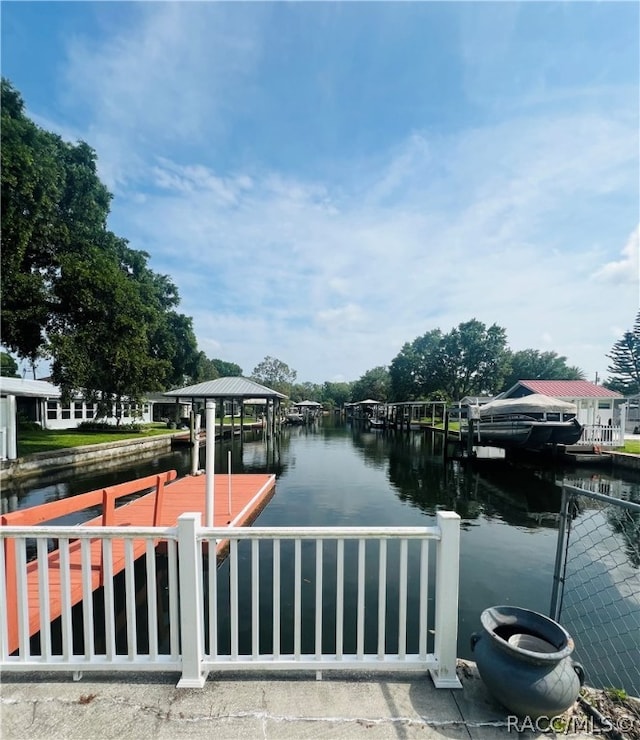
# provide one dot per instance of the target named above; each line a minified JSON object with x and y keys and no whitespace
{"x":210,"y":457}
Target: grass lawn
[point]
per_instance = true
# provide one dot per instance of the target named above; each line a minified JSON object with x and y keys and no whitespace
{"x":632,"y":446}
{"x":34,"y":440}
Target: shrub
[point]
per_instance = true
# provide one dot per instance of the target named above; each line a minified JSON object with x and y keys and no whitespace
{"x":103,"y":426}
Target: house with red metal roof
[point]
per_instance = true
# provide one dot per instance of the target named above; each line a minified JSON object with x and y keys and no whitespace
{"x":595,"y":403}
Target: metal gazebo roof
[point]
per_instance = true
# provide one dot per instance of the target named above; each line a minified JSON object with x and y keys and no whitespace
{"x":233,"y":387}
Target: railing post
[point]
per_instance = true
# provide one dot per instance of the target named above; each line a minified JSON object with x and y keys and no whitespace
{"x":446,"y":620}
{"x":191,"y":604}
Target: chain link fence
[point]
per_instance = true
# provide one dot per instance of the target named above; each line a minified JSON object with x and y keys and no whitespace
{"x":596,"y":593}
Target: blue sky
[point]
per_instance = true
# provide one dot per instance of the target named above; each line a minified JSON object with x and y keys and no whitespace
{"x":327,"y":181}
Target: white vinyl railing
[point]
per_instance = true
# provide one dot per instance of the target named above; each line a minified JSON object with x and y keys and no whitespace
{"x":350,"y":598}
{"x":602,"y":435}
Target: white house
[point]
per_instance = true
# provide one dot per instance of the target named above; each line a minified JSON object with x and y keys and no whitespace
{"x":41,"y":402}
{"x":595,"y":403}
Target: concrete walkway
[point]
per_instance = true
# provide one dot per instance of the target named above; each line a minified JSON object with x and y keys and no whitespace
{"x":134,"y":706}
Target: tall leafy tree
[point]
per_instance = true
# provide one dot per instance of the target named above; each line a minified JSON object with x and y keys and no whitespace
{"x":336,"y":394}
{"x":275,"y":374}
{"x":73,"y":290}
{"x":306,"y":392}
{"x":52,"y":202}
{"x":474,"y":359}
{"x":205,"y":370}
{"x":625,"y":362}
{"x":100,"y":343}
{"x":374,"y":384}
{"x":415,"y":372}
{"x":531,"y":364}
{"x":227,"y":369}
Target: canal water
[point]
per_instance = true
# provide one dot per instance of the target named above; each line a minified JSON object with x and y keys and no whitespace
{"x":336,"y":474}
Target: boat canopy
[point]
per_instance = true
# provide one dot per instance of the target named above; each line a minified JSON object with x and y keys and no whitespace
{"x":534,"y":403}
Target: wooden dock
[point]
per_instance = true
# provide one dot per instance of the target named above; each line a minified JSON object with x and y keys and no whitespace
{"x":238,"y":499}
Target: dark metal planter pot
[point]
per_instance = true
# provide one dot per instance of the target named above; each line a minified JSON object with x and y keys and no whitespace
{"x":524,"y":658}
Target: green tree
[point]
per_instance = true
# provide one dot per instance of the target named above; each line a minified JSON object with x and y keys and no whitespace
{"x":415,"y":372}
{"x":335,"y":395}
{"x":531,"y":364}
{"x":474,"y":360}
{"x":205,"y":370}
{"x":100,"y":345}
{"x":52,"y":201}
{"x":71,"y":289}
{"x":306,"y":392}
{"x":227,"y":369}
{"x":374,"y":384}
{"x":8,"y":366}
{"x":625,"y":362}
{"x":275,"y":374}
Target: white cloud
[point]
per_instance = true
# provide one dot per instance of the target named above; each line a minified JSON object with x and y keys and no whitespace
{"x":512,"y":222}
{"x":166,"y":76}
{"x":625,"y":270}
{"x":260,"y":267}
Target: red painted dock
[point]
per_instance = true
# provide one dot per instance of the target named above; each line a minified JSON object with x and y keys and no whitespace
{"x":237,"y":502}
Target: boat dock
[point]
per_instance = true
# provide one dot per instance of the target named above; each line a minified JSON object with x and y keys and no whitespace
{"x":238,"y":499}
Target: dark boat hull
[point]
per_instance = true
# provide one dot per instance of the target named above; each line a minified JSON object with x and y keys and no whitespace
{"x":523,"y":434}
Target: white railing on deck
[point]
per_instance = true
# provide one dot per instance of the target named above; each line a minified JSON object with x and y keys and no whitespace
{"x":602,"y":435}
{"x":199,"y":629}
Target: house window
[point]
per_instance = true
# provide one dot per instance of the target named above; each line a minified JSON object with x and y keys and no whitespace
{"x":604,"y":404}
{"x":90,"y":411}
{"x":52,"y":409}
{"x":66,"y":411}
{"x":77,"y":409}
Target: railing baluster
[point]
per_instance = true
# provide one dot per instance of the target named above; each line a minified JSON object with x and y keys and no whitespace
{"x":255,"y":599}
{"x":65,"y":598}
{"x":339,"y":598}
{"x":130,"y":591}
{"x":152,"y":599}
{"x":174,"y":605}
{"x":44,"y":597}
{"x":361,"y":584}
{"x":213,"y":600}
{"x":297,"y":599}
{"x":22,"y":596}
{"x":318,"y":599}
{"x":87,"y":599}
{"x":109,"y":609}
{"x":276,"y":598}
{"x":382,"y":598}
{"x":402,"y":601}
{"x":233,"y":596}
{"x":424,"y":599}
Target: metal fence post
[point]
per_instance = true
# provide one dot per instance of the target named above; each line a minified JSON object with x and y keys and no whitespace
{"x":558,"y":568}
{"x":191,"y":604}
{"x":447,"y":583}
